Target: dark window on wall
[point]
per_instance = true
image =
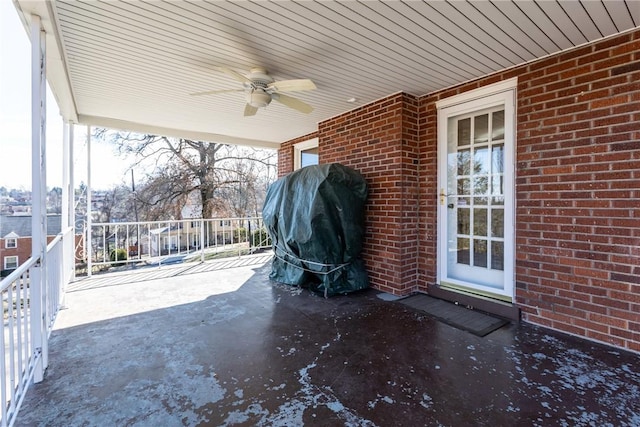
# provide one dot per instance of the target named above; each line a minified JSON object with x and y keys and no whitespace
{"x":10,"y":262}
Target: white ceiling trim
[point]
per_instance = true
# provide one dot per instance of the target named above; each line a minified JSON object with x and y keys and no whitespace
{"x":481,"y":92}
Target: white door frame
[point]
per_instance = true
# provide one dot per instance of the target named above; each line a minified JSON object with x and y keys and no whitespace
{"x":502,"y":93}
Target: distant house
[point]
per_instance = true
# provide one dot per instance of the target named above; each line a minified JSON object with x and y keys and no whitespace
{"x":186,"y":235}
{"x":192,"y":209}
{"x":15,"y":239}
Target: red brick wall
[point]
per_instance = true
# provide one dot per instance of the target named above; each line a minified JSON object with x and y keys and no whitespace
{"x":428,"y":199}
{"x":577,"y":188}
{"x":380,"y":140}
{"x":410,"y":184}
{"x":23,"y":249}
{"x":578,"y":192}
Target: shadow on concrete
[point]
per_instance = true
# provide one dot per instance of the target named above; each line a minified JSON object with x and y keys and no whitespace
{"x":154,"y":271}
{"x":263,"y":354}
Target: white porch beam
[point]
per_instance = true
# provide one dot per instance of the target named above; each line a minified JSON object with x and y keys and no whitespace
{"x":176,"y":133}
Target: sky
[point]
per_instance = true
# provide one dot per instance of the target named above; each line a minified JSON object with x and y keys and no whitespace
{"x":15,"y":121}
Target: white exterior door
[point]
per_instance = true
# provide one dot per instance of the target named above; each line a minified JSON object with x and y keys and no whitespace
{"x":476,"y":192}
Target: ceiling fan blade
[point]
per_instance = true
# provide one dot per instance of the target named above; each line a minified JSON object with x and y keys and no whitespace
{"x":292,"y":102}
{"x":239,"y":77}
{"x":211,"y":92}
{"x":250,"y":110}
{"x":292,"y":85}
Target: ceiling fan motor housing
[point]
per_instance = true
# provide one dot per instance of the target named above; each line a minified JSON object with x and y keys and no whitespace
{"x":258,"y":98}
{"x":260,"y":77}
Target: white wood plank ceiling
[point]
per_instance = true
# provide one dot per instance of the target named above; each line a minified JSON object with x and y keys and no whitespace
{"x":134,"y":63}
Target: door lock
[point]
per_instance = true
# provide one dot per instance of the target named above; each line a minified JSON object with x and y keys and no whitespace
{"x":443,"y":196}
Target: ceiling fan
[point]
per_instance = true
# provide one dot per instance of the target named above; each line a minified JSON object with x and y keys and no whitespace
{"x":260,"y":89}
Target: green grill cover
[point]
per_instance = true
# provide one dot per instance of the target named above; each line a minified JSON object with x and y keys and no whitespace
{"x":316,"y":220}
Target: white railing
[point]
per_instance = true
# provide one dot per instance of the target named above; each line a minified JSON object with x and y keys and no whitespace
{"x":159,"y":242}
{"x":60,"y":269}
{"x":30,"y":306}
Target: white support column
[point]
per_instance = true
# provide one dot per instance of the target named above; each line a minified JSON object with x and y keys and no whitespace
{"x":66,"y":126}
{"x":202,"y":239}
{"x":38,"y":145}
{"x":68,"y":210}
{"x":38,"y":283}
{"x":71,"y":209}
{"x":71,"y":201}
{"x":87,"y":244}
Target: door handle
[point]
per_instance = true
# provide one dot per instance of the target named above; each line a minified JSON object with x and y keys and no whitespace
{"x":443,"y":196}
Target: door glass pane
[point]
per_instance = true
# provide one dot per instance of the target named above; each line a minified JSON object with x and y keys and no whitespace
{"x":464,"y":256}
{"x":481,"y":128}
{"x":497,"y":124}
{"x":480,"y":222}
{"x":464,"y":162}
{"x":479,"y":253}
{"x":497,"y":158}
{"x":480,"y":185}
{"x":497,"y":222}
{"x":464,"y":187}
{"x":481,"y":160}
{"x":480,"y":200}
{"x":464,"y":221}
{"x":464,"y":132}
{"x":497,"y":189}
{"x":497,"y":255}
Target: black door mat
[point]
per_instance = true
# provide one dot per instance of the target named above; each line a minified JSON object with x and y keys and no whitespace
{"x":477,"y":323}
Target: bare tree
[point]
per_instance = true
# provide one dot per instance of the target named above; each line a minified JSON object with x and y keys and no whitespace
{"x":54,"y":200}
{"x":116,"y":204}
{"x":178,"y":167}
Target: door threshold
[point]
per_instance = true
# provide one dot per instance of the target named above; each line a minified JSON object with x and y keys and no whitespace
{"x":478,"y":302}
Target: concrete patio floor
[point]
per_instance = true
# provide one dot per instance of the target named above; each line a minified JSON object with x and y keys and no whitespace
{"x":197,"y":345}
